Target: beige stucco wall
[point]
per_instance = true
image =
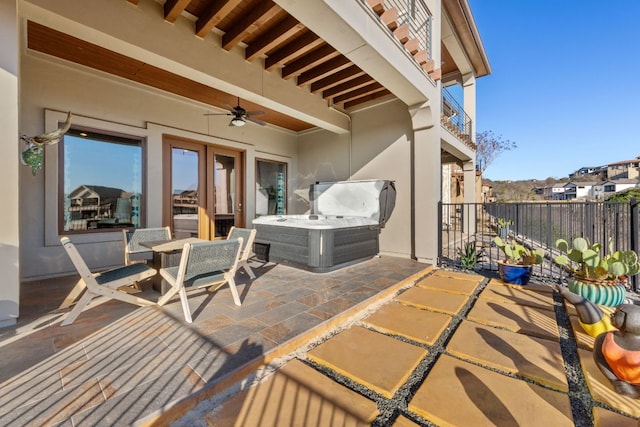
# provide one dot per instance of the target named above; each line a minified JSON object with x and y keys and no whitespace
{"x":9,"y":186}
{"x":102,"y":101}
{"x":378,"y":148}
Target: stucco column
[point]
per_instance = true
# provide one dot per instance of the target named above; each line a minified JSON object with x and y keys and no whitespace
{"x":427,"y":176}
{"x":469,"y":168}
{"x":469,"y":95}
{"x":9,"y":236}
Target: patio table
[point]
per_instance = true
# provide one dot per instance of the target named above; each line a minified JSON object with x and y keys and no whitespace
{"x":166,"y":254}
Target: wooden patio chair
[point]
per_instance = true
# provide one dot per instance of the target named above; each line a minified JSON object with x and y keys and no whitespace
{"x":205,"y":264}
{"x":248,"y":235}
{"x":105,"y":283}
{"x":133,"y":251}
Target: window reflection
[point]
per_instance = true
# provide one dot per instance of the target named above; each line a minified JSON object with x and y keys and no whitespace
{"x":271,"y":191}
{"x":102,"y":181}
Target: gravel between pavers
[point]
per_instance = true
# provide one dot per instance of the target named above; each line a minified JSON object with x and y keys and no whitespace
{"x":580,"y":398}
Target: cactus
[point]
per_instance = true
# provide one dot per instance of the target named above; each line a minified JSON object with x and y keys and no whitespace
{"x":592,"y":265}
{"x":516,"y":253}
{"x":503,"y":222}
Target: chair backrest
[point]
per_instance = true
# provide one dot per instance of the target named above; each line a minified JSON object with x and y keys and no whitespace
{"x":78,"y":262}
{"x":248,"y":235}
{"x":133,"y":238}
{"x":200,"y":260}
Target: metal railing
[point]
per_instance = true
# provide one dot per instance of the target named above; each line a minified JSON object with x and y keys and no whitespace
{"x":417,"y":16}
{"x":455,"y":119}
{"x":536,"y":225}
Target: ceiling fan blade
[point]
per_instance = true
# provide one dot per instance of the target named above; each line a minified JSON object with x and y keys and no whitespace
{"x":255,"y":113}
{"x":218,"y":114}
{"x":256,"y":121}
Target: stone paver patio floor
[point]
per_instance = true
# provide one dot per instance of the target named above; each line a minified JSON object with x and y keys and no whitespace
{"x":497,"y":359}
{"x":387,"y":342}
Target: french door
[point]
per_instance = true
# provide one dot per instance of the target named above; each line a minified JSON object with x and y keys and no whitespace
{"x":203,"y":189}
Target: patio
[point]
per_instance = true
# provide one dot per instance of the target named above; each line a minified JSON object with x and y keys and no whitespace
{"x":384,"y":342}
{"x":119,"y":364}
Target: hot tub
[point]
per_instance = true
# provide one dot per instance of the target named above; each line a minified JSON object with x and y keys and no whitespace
{"x":343,"y":228}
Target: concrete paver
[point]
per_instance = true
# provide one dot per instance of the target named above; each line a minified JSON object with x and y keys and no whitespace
{"x":449,"y":284}
{"x":295,"y":395}
{"x":458,"y":275}
{"x":430,"y":299}
{"x":521,"y":295}
{"x":458,"y":393}
{"x":374,"y":360}
{"x":517,"y":318}
{"x":531,"y":286}
{"x":605,"y":418}
{"x":418,"y":325}
{"x":535,"y":358}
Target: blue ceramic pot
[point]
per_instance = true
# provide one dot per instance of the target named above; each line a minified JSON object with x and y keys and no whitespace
{"x":515,"y":274}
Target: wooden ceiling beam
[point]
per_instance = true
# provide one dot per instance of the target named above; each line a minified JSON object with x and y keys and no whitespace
{"x":173,"y":9}
{"x":216,"y":12}
{"x":347,"y":86}
{"x":323,"y":70}
{"x":262,"y":13}
{"x":366,"y":90}
{"x":309,"y":61}
{"x":276,"y":35}
{"x":366,"y":98}
{"x":289,"y":52}
{"x":337,"y":78}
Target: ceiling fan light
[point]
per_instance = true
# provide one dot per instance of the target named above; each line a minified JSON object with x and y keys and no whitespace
{"x":236,"y":121}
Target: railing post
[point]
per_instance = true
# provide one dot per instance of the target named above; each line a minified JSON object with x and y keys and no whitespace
{"x":633,"y":235}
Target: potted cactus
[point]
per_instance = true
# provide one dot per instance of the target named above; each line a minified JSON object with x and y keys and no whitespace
{"x":600,"y":278}
{"x":503,"y":227}
{"x":518,"y":262}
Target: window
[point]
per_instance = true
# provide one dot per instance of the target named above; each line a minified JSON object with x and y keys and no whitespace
{"x":271,"y":188}
{"x":101,"y":181}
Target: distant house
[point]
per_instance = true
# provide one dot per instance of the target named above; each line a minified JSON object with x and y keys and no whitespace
{"x":578,"y":190}
{"x":554,"y":192}
{"x":626,"y":169}
{"x":590,"y":172}
{"x":94,"y":206}
{"x":603,"y":190}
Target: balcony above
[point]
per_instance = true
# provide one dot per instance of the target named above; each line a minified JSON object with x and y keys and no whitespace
{"x":456,"y":120}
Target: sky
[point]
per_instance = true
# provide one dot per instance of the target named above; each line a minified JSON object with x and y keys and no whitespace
{"x":565,"y":84}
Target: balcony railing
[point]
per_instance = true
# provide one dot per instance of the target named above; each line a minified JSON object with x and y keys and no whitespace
{"x":455,"y":119}
{"x":537,"y":225}
{"x":416,"y":15}
{"x":412,"y":13}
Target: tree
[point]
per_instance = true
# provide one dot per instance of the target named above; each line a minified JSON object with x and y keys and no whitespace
{"x":490,"y":146}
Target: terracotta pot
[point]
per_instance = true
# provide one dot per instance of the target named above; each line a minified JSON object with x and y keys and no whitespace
{"x":514,"y":274}
{"x":603,"y":292}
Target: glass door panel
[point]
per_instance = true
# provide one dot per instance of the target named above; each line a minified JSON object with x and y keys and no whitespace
{"x":184,"y":192}
{"x":226,"y":202}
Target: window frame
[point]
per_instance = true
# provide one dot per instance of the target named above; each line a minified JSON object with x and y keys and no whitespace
{"x":286,"y":184}
{"x":60,"y":214}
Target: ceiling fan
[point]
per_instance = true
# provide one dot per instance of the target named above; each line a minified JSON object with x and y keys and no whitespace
{"x":240,"y":116}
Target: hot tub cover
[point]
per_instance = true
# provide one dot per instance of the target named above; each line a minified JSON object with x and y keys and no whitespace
{"x":373,"y":199}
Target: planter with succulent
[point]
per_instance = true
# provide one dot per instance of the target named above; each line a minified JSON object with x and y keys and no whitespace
{"x":602,"y":279}
{"x":470,"y":255}
{"x":518,"y":261}
{"x":503,"y":227}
